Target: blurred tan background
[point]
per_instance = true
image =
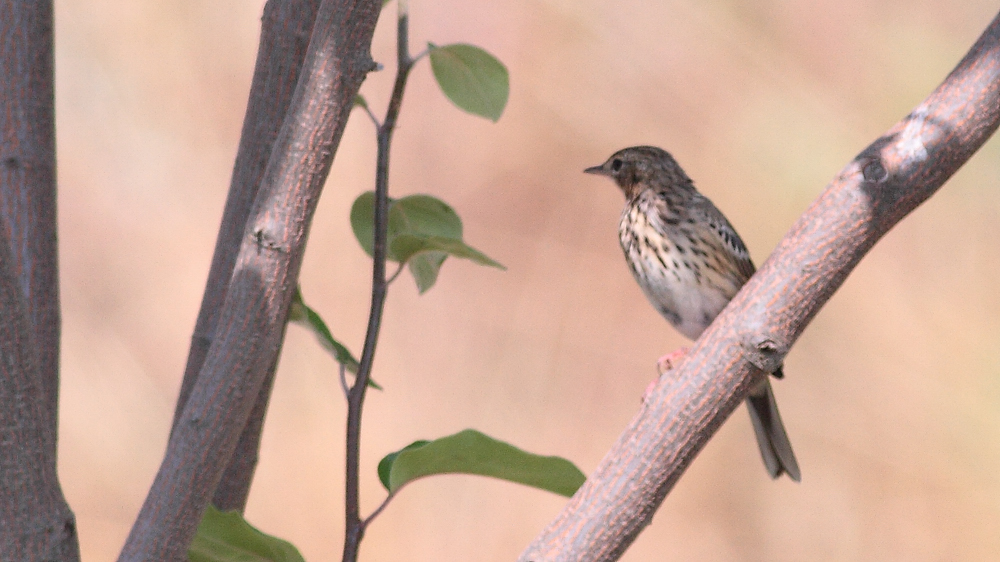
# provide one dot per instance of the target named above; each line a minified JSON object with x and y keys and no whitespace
{"x":892,"y":398}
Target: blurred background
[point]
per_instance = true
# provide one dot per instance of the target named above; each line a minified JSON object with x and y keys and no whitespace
{"x":892,"y":398}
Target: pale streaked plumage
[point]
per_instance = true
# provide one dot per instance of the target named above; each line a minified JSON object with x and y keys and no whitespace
{"x":690,"y":263}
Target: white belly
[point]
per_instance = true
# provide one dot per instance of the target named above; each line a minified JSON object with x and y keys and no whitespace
{"x":677,"y":295}
{"x":687,"y":294}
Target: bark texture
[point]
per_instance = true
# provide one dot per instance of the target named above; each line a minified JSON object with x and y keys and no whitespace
{"x":252,"y":316}
{"x":35,"y":521}
{"x":286,"y":26}
{"x":884,"y":183}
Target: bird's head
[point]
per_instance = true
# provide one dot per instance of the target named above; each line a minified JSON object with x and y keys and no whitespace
{"x":637,"y":167}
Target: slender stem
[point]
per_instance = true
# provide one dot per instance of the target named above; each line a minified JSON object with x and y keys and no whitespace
{"x":354,"y":525}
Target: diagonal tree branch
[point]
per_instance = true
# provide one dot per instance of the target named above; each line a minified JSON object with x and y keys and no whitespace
{"x":869,"y":196}
{"x":255,"y":309}
{"x":286,"y":25}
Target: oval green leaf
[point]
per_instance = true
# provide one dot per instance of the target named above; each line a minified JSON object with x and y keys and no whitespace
{"x":417,"y":214}
{"x":422,"y":232}
{"x":429,"y":231}
{"x":424,"y":214}
{"x":227,"y":537}
{"x":471,"y":452}
{"x":363,"y":223}
{"x":473,"y":79}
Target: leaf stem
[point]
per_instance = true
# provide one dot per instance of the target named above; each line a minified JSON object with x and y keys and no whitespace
{"x":343,"y":381}
{"x":354,"y":525}
{"x":395,"y":275}
{"x":372,"y":117}
{"x":421,"y":55}
{"x":378,"y":510}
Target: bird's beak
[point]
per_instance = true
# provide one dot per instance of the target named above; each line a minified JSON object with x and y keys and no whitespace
{"x":599,"y":170}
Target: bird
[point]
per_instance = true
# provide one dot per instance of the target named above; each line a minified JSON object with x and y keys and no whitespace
{"x":689,"y":262}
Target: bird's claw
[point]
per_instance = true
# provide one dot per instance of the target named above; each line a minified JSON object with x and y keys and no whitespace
{"x":670,"y":360}
{"x":664,"y":364}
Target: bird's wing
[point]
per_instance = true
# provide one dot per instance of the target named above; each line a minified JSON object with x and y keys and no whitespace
{"x":725,"y":235}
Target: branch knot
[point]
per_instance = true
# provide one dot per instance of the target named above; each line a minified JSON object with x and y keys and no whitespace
{"x":873,"y":171}
{"x":365,"y":63}
{"x":765,"y":352}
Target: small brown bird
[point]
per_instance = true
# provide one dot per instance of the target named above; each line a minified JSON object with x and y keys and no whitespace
{"x":690,"y":263}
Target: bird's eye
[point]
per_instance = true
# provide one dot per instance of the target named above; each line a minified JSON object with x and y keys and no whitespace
{"x":616,"y":164}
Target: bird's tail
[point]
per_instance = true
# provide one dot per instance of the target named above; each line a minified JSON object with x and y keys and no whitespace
{"x":775,"y":448}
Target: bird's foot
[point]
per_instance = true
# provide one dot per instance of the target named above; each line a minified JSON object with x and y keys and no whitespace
{"x":670,"y":360}
{"x":663,"y":365}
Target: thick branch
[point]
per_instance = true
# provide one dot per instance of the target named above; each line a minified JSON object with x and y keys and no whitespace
{"x":28,"y":179}
{"x":255,"y":308}
{"x":285,"y":30}
{"x":872,"y":193}
{"x":234,"y":486}
{"x":35,"y":521}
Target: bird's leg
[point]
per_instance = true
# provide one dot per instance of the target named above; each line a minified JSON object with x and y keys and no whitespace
{"x":664,"y":364}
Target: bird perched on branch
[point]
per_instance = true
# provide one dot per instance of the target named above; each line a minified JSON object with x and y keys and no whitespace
{"x":690,"y":263}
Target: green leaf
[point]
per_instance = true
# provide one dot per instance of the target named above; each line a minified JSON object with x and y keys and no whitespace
{"x":363,"y":219}
{"x":473,"y":79}
{"x":359,"y":101}
{"x":409,"y":214}
{"x":426,"y":254}
{"x":305,"y":316}
{"x":407,"y":245}
{"x":423,"y":214}
{"x":422,"y":232}
{"x":425,"y":268}
{"x":471,"y":452}
{"x":227,"y":537}
{"x":385,"y":465}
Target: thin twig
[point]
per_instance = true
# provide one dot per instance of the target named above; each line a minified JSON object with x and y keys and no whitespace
{"x":354,"y":525}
